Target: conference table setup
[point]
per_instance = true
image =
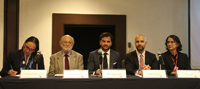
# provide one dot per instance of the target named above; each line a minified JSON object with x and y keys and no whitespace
{"x":73,"y":80}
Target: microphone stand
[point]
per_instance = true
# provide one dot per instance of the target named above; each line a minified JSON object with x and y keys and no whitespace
{"x":36,"y":66}
{"x":100,"y":68}
{"x":160,"y":66}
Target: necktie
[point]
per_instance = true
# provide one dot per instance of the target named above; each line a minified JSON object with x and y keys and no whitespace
{"x":141,"y":62}
{"x":105,"y":65}
{"x":66,"y":62}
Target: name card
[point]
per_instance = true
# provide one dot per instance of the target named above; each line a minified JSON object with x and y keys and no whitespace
{"x":187,"y":74}
{"x":76,"y":74}
{"x":116,"y":73}
{"x":33,"y":74}
{"x":154,"y":74}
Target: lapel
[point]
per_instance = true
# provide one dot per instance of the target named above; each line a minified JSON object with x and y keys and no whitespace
{"x":112,"y":60}
{"x":72,"y":60}
{"x":147,"y":59}
{"x":60,"y":60}
{"x":169,"y":59}
{"x":179,"y":63}
{"x":135,"y":58}
{"x":19,"y":58}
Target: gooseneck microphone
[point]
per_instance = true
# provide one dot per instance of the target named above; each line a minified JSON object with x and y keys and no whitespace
{"x":100,"y":60}
{"x":37,"y":59}
{"x":161,"y":61}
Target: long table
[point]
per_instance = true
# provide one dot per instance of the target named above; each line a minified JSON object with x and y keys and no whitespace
{"x":93,"y":82}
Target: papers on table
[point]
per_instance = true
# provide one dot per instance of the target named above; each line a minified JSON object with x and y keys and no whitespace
{"x":58,"y":75}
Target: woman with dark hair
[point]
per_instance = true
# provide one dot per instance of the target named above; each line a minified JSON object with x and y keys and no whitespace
{"x":173,"y":58}
{"x":25,"y":58}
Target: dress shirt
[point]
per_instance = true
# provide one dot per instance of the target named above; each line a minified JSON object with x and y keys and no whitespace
{"x":108,"y":58}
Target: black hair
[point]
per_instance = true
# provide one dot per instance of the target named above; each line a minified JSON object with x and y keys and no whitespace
{"x":106,"y":34}
{"x":34,"y":40}
{"x":177,"y":40}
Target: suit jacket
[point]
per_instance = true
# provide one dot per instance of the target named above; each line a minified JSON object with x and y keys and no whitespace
{"x":182,"y":61}
{"x":56,"y":62}
{"x":93,"y":60}
{"x":132,"y":63}
{"x":13,"y":62}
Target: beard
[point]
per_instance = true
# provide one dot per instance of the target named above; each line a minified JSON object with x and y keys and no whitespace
{"x":140,"y":49}
{"x":66,"y":49}
{"x":105,"y":49}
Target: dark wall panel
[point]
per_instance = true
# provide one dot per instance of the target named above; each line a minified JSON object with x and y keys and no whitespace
{"x":119,"y":21}
{"x":11,"y":26}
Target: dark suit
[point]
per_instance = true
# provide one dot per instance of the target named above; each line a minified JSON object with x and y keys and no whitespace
{"x":132,"y":64}
{"x":93,"y":60}
{"x":13,"y":62}
{"x":182,"y":61}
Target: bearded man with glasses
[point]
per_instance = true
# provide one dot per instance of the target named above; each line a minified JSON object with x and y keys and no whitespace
{"x":66,"y":59}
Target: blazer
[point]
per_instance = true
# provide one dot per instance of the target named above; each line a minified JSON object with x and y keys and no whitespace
{"x":132,"y":63}
{"x":93,"y":60}
{"x":182,"y":62}
{"x":14,"y":60}
{"x":56,"y":62}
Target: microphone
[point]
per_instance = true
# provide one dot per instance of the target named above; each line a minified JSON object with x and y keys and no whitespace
{"x":100,"y":56}
{"x":100,"y":60}
{"x":161,"y":61}
{"x":37,"y":59}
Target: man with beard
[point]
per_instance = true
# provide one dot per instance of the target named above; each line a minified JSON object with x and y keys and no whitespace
{"x":140,"y":59}
{"x":66,"y":59}
{"x":111,"y":59}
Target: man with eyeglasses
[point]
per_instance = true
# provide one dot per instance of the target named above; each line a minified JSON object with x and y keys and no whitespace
{"x":66,"y":59}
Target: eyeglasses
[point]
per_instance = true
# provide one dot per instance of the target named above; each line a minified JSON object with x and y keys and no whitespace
{"x":65,"y":42}
{"x":31,"y":50}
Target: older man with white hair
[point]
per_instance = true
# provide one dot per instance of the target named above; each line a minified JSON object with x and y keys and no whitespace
{"x":66,"y":59}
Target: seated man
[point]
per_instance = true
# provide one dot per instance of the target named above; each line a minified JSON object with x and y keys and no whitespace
{"x":140,"y":59}
{"x":66,"y":59}
{"x":111,"y":58}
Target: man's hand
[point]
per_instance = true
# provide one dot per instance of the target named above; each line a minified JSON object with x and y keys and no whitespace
{"x":98,"y":72}
{"x":146,"y":67}
{"x":140,"y":72}
{"x":12,"y":72}
{"x":173,"y":73}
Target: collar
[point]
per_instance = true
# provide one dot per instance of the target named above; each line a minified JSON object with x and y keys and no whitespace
{"x":108,"y":52}
{"x":67,"y":54}
{"x":140,"y":53}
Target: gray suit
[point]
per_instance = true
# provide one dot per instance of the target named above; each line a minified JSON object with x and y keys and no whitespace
{"x":93,"y":60}
{"x":56,"y":62}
